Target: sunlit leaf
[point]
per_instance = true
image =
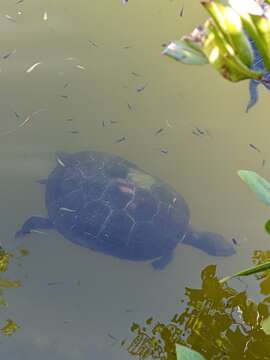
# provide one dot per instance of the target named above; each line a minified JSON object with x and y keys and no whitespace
{"x":181,"y":51}
{"x":185,"y":353}
{"x":267,"y":226}
{"x":266,"y":325}
{"x":250,"y":271}
{"x":259,"y":185}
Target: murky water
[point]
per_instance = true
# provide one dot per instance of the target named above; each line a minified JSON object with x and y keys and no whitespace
{"x":94,"y":56}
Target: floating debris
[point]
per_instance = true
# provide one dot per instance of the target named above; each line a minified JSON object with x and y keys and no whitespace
{"x":141,"y":88}
{"x":45,"y":16}
{"x":123,"y":138}
{"x":254,"y":147}
{"x":10,"y":18}
{"x":17,"y":115}
{"x":7,"y":55}
{"x":80,"y":67}
{"x":168,"y":124}
{"x":159,"y":131}
{"x":135,"y":74}
{"x":25,"y":121}
{"x":60,"y":162}
{"x":67,"y":209}
{"x":31,"y":68}
{"x":164,"y":151}
{"x":53,"y":283}
{"x":181,"y":11}
{"x":93,"y":43}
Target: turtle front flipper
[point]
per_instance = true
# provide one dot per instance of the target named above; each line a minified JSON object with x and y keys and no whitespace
{"x":34,"y":223}
{"x":211,"y":243}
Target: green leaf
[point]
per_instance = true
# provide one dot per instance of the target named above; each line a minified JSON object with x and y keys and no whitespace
{"x":254,"y":270}
{"x":267,"y":226}
{"x":185,"y":353}
{"x":266,"y":325}
{"x":256,"y":183}
{"x":181,"y":51}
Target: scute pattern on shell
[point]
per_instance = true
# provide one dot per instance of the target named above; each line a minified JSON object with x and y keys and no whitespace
{"x":108,"y":204}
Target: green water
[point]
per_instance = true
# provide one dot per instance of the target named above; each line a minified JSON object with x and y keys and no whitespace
{"x":74,"y":320}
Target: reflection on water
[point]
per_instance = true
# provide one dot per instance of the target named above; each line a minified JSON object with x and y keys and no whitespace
{"x":95,"y":69}
{"x":217,"y":321}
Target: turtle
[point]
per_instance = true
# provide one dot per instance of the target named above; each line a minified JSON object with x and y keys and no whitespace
{"x":108,"y":204}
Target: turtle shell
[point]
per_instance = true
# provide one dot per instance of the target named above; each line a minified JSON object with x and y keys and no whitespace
{"x":108,"y":204}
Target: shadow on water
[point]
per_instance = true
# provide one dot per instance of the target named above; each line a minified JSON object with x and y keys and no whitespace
{"x":216,"y":320}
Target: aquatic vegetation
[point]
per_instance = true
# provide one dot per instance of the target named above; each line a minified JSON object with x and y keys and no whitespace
{"x":215,"y":320}
{"x":235,"y":41}
{"x":9,"y":328}
{"x":260,"y":186}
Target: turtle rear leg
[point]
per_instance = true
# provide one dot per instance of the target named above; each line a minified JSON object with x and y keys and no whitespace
{"x":34,"y":223}
{"x":163,"y":261}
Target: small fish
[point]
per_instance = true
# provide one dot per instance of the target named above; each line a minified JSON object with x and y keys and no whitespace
{"x":31,"y":68}
{"x":135,"y":74}
{"x":64,"y":96}
{"x":92,"y":43}
{"x":127,"y":47}
{"x":254,"y":147}
{"x":141,"y":88}
{"x":234,"y":241}
{"x":66,"y":85}
{"x":113,"y":121}
{"x":80,"y":67}
{"x":19,"y":1}
{"x":159,"y":131}
{"x":45,"y":16}
{"x":124,"y":2}
{"x":7,"y":55}
{"x":10,"y":18}
{"x":130,"y":107}
{"x":103,"y":123}
{"x":17,"y":115}
{"x":263,"y":162}
{"x":195,"y":133}
{"x":123,"y":138}
{"x":74,"y":132}
{"x":164,"y":151}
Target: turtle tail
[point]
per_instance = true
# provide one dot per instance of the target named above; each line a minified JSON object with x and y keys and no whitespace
{"x":211,"y":243}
